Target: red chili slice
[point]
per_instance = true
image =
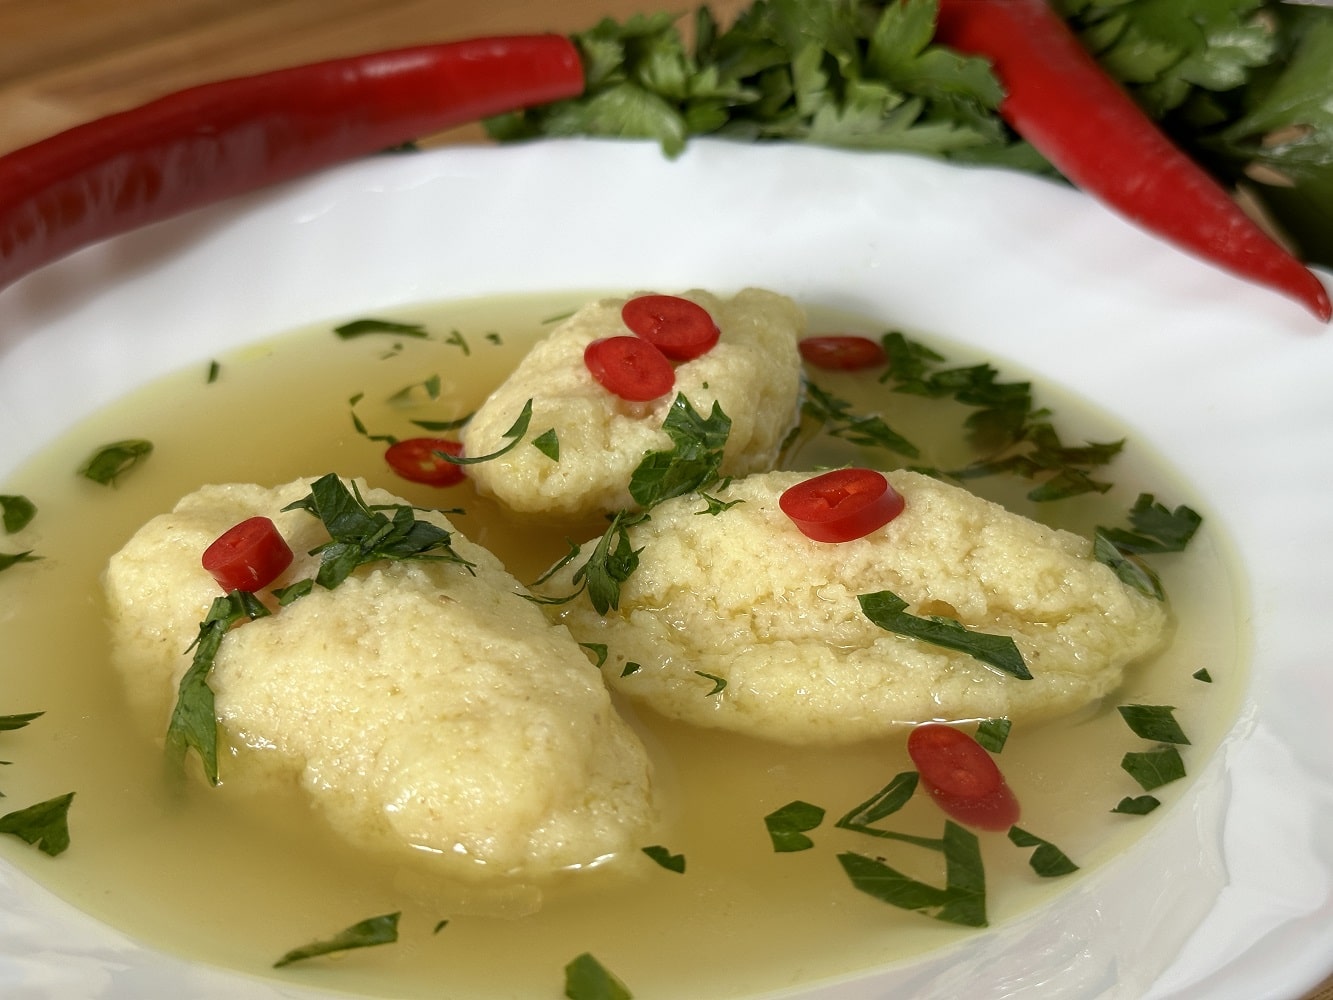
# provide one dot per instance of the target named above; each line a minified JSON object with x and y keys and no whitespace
{"x":841,"y":352}
{"x":842,"y":505}
{"x":418,"y":461}
{"x":631,"y":368}
{"x":962,"y":777}
{"x":679,"y":328}
{"x":248,"y":556}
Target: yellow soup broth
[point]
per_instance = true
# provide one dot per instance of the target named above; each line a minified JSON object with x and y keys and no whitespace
{"x":229,"y":878}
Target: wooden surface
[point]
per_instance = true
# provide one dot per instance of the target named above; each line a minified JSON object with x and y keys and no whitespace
{"x":66,"y":61}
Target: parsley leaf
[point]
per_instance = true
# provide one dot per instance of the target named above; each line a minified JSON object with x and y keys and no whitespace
{"x":993,"y":733}
{"x":840,"y":421}
{"x":367,"y":933}
{"x":1153,"y":722}
{"x":787,"y":827}
{"x":886,"y":610}
{"x":1047,"y":860}
{"x":361,"y":533}
{"x":1155,"y":529}
{"x":671,"y":862}
{"x":887,"y":801}
{"x":362,"y":327}
{"x":18,"y":512}
{"x":548,"y":443}
{"x":514,"y":435}
{"x":111,"y":461}
{"x":692,"y":463}
{"x":587,"y":979}
{"x":8,"y":559}
{"x":611,"y":563}
{"x":45,"y":825}
{"x":1154,"y":768}
{"x":719,"y":683}
{"x":1139,"y":805}
{"x":193,"y":723}
{"x":961,"y":901}
{"x":8,"y":723}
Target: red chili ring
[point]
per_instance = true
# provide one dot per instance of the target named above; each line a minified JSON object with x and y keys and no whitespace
{"x":680,"y":329}
{"x":842,"y":505}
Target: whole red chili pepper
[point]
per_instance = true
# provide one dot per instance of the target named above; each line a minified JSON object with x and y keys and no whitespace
{"x":206,"y":143}
{"x":1059,"y":99}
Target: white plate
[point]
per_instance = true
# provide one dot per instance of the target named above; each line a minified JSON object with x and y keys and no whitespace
{"x":1232,"y":894}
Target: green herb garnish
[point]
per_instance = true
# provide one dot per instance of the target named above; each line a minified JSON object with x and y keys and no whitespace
{"x":367,"y":933}
{"x":1139,"y":805}
{"x":1154,"y":529}
{"x":671,"y":862}
{"x":548,"y":443}
{"x":194,"y":719}
{"x":1047,"y":860}
{"x":1154,"y":768}
{"x":109,"y":462}
{"x":886,"y":610}
{"x":887,"y":801}
{"x":840,"y":421}
{"x":587,"y":979}
{"x":214,"y":370}
{"x":514,"y":435}
{"x":692,"y":462}
{"x":993,"y":734}
{"x":362,"y":327}
{"x":44,"y":825}
{"x":1203,"y":675}
{"x":17,"y":511}
{"x":787,"y":827}
{"x":8,"y":559}
{"x":9,"y":723}
{"x":1154,"y":722}
{"x":360,"y":533}
{"x":962,"y":900}
{"x":719,"y":683}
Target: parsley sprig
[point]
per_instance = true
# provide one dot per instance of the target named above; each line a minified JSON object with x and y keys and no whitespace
{"x":362,"y":533}
{"x":692,"y":463}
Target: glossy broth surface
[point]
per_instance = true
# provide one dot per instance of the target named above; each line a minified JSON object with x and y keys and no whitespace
{"x":236,"y":880}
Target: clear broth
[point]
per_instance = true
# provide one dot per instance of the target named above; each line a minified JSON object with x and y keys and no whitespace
{"x":236,"y":880}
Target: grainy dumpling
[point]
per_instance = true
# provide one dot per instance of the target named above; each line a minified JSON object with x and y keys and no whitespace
{"x":753,"y":373}
{"x":429,"y":711}
{"x":745,"y":597}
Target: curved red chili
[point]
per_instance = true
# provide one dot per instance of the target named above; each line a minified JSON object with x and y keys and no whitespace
{"x":1059,"y":99}
{"x":209,"y":142}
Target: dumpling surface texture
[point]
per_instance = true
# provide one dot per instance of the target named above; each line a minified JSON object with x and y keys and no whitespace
{"x":428,"y":710}
{"x":743,"y":596}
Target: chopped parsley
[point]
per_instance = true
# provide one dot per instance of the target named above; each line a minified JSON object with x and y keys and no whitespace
{"x":993,"y":733}
{"x":1154,"y":529}
{"x":44,"y":825}
{"x":1154,"y":722}
{"x":363,"y":327}
{"x":111,"y":461}
{"x":366,"y":934}
{"x":1154,"y":768}
{"x":548,"y":443}
{"x":1047,"y":860}
{"x":962,"y":899}
{"x":886,"y":610}
{"x":664,"y":857}
{"x":361,"y":533}
{"x":9,"y":723}
{"x":8,"y":559}
{"x":887,"y":801}
{"x":193,"y":723}
{"x":1139,"y":805}
{"x":719,"y":683}
{"x":17,"y":512}
{"x":787,"y":827}
{"x":587,"y":979}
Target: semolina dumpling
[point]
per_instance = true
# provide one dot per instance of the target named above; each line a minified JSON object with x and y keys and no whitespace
{"x":428,"y":710}
{"x":739,"y":621}
{"x":753,"y":373}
